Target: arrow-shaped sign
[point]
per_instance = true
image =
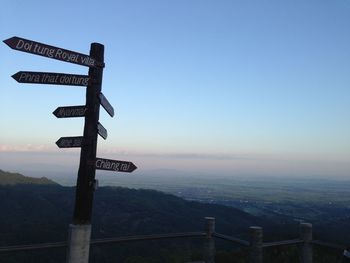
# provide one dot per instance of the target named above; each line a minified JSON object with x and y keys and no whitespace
{"x":114,"y":165}
{"x":102,"y":131}
{"x":51,"y":78}
{"x":44,"y":50}
{"x":70,"y":142}
{"x":106,"y":105}
{"x":70,"y":111}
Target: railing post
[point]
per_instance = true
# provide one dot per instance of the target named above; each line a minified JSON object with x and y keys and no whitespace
{"x":209,"y":246}
{"x":256,"y":240}
{"x":306,"y":247}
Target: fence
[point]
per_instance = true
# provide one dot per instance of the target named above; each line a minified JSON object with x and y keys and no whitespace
{"x":255,"y":245}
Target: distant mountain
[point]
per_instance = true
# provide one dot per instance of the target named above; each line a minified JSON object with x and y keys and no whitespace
{"x":7,"y":178}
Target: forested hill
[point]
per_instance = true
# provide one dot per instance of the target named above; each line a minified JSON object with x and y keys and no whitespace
{"x":7,"y":178}
{"x":42,"y":213}
{"x":39,"y":210}
{"x":36,"y":212}
{"x":39,"y":213}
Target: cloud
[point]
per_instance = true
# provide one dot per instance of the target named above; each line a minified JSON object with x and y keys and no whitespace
{"x":197,"y":156}
{"x":40,"y":156}
{"x":180,"y":155}
{"x":26,"y":148}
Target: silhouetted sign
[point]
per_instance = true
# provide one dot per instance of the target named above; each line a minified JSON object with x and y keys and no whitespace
{"x":106,"y":105}
{"x":70,"y":111}
{"x":51,"y":78}
{"x":44,"y":50}
{"x":70,"y":142}
{"x":102,"y":131}
{"x":114,"y":165}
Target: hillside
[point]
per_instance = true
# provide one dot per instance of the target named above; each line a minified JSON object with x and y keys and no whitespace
{"x":117,"y":211}
{"x":40,"y":213}
{"x":7,"y":178}
{"x":35,"y":213}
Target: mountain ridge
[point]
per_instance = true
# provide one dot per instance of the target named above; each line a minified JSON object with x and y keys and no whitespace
{"x":9,"y":178}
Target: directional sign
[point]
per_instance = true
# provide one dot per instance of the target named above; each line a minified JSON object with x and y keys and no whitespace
{"x":114,"y":165}
{"x":106,"y":105}
{"x":102,"y":131}
{"x":51,"y":78}
{"x":44,"y":50}
{"x":70,"y":111}
{"x":70,"y":142}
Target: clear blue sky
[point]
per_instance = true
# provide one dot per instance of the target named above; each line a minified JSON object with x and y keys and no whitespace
{"x":204,"y":86}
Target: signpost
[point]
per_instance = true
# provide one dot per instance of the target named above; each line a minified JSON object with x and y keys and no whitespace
{"x":106,"y":105}
{"x":44,"y":50}
{"x":114,"y":165}
{"x":70,"y":142}
{"x":51,"y":78}
{"x":80,"y":229}
{"x":102,"y":131}
{"x":70,"y":111}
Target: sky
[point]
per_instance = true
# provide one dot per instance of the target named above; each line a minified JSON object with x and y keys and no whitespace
{"x":207,"y":87}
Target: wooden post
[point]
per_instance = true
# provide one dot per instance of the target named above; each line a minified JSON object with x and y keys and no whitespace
{"x":80,"y":230}
{"x":256,"y":240}
{"x":209,"y":247}
{"x":306,"y":247}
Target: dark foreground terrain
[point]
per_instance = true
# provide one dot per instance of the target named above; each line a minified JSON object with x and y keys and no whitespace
{"x":39,"y":211}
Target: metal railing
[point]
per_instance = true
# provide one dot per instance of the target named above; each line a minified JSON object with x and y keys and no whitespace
{"x":255,"y":245}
